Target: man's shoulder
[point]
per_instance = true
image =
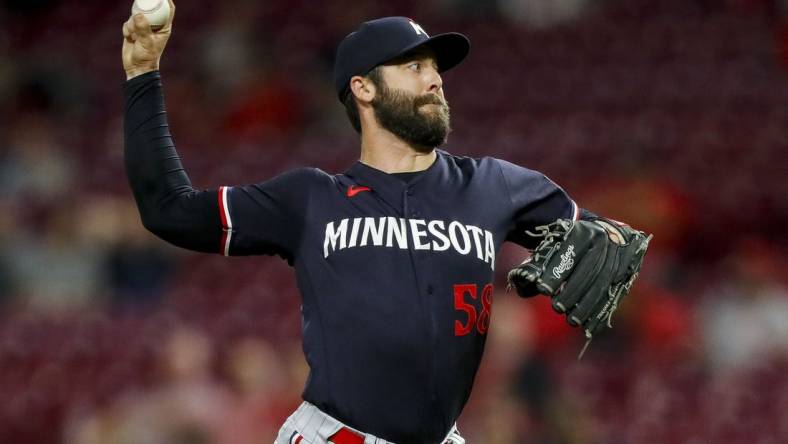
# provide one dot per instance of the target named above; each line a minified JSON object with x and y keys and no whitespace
{"x":308,"y":175}
{"x":485,"y":163}
{"x":466,"y":162}
{"x":295,"y":181}
{"x":490,"y":168}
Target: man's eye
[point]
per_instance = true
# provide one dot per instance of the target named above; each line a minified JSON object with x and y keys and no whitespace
{"x":415,"y":66}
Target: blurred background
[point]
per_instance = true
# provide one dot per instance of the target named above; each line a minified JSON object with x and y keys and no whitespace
{"x":671,"y":115}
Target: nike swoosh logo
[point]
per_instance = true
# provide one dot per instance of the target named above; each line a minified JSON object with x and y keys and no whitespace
{"x":353,"y":190}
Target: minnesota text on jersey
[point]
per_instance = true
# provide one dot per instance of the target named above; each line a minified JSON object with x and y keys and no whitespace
{"x":392,"y":232}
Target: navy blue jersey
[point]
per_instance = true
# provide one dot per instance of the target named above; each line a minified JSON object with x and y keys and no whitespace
{"x":396,"y":276}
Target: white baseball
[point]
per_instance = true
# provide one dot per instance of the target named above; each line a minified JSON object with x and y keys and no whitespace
{"x":156,"y":11}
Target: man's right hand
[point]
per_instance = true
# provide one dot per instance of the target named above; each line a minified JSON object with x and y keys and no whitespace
{"x":142,"y":48}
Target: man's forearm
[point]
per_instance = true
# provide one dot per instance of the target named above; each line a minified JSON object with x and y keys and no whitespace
{"x":168,"y":205}
{"x":152,"y":164}
{"x":587,"y":215}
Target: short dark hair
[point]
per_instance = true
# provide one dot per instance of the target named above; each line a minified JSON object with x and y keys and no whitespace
{"x":376,"y":77}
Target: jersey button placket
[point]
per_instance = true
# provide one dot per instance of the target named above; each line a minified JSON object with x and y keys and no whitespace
{"x":429,"y":317}
{"x":409,"y":192}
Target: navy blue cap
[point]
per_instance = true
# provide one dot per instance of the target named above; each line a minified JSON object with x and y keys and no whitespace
{"x":378,"y":41}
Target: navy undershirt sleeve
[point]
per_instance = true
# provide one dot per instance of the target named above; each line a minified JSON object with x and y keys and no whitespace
{"x":168,"y":204}
{"x":587,"y":215}
{"x":262,"y":218}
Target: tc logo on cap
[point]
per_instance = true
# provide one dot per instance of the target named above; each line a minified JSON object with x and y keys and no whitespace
{"x":418,"y":28}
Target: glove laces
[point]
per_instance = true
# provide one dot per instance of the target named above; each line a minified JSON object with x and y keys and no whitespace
{"x":548,"y":233}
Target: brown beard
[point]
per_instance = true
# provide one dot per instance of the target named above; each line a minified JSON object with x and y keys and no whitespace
{"x":398,"y":111}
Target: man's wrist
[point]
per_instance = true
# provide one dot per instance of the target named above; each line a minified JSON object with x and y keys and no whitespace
{"x":142,"y":79}
{"x":136,"y":72}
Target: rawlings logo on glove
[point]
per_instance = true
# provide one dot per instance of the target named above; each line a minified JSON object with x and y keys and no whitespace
{"x":590,"y":273}
{"x":566,"y":262}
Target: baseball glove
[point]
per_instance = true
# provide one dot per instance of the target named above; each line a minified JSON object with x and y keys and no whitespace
{"x":585,"y":267}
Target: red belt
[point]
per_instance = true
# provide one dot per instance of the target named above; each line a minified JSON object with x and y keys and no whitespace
{"x":346,"y":436}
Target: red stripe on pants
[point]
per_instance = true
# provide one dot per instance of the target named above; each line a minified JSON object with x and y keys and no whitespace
{"x":346,"y":436}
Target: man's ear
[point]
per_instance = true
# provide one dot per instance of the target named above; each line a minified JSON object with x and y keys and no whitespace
{"x":362,"y":88}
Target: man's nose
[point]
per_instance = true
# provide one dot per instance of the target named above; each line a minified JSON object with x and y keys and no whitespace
{"x":435,"y":82}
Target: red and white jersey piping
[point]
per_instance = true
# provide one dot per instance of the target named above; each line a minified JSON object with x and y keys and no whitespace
{"x":227,"y":222}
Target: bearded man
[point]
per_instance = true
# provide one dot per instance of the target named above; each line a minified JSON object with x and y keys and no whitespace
{"x":394,"y":258}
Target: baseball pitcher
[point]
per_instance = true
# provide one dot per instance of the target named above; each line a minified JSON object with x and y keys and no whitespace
{"x":394,"y":257}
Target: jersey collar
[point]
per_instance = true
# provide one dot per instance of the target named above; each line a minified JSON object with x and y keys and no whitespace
{"x":389,"y":187}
